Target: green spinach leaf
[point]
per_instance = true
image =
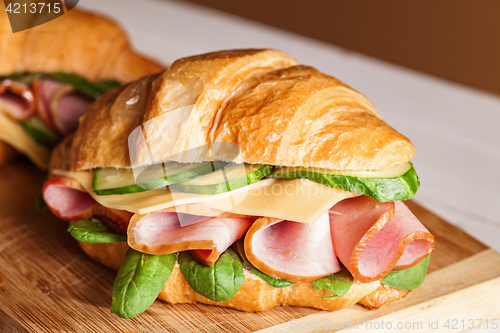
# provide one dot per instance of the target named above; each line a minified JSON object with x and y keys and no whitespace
{"x":108,"y":84}
{"x":219,"y":282}
{"x":139,"y":281}
{"x":41,"y":206}
{"x":89,"y":231}
{"x":26,"y":78}
{"x":409,"y":278}
{"x":40,"y":133}
{"x":93,"y":90}
{"x":338,"y":283}
{"x":276,"y":283}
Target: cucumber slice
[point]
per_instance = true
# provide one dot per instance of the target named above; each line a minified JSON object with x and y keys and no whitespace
{"x":40,"y":132}
{"x":226,"y":179}
{"x":397,"y":183}
{"x":393,"y":172}
{"x":109,"y":181}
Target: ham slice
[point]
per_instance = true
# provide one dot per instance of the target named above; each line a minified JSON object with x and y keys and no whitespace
{"x":296,"y":252}
{"x":368,"y":237}
{"x":59,"y":105}
{"x":17,"y":100}
{"x":69,"y":201}
{"x":170,"y":232}
{"x":67,"y":107}
{"x":372,"y":238}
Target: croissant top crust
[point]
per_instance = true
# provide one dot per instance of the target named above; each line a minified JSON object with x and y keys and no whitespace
{"x":78,"y":42}
{"x":273,"y":110}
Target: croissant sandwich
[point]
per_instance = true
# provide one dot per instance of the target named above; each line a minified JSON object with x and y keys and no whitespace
{"x":49,"y":75}
{"x":245,"y":180}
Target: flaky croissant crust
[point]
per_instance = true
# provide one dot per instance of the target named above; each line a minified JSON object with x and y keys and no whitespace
{"x":78,"y":42}
{"x":276,"y":111}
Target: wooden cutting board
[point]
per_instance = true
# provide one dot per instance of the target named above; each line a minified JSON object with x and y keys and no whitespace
{"x":47,"y":284}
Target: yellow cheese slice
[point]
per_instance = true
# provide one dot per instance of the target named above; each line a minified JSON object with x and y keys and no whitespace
{"x":12,"y":133}
{"x":299,"y":200}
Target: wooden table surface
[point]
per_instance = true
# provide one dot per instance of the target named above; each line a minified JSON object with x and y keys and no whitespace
{"x":49,"y":285}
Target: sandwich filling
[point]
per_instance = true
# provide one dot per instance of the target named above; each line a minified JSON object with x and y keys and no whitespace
{"x":38,"y":109}
{"x":358,"y":239}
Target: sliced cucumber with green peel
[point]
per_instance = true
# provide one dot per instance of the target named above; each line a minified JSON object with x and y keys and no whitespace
{"x":109,"y":181}
{"x":397,"y":183}
{"x":40,"y":132}
{"x":226,"y":179}
{"x":393,"y":172}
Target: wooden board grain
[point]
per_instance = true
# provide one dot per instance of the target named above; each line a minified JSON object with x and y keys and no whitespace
{"x":47,"y":283}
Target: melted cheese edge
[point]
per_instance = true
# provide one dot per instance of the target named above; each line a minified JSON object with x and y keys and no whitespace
{"x":12,"y":133}
{"x":299,"y":200}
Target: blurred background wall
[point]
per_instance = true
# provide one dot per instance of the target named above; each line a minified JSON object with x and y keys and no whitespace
{"x":458,"y":40}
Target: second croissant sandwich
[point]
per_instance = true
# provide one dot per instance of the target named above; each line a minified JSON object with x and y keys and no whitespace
{"x":246,"y":180}
{"x":49,"y":74}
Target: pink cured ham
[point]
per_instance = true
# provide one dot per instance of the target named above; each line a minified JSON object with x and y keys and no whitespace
{"x":67,"y":108}
{"x":372,"y":238}
{"x":296,"y":252}
{"x":17,"y":100}
{"x":368,"y":237}
{"x":170,"y":232}
{"x":59,"y":105}
{"x":69,"y":201}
